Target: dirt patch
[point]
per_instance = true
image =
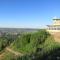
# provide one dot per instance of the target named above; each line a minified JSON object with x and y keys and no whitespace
{"x":14,"y":52}
{"x":2,"y":55}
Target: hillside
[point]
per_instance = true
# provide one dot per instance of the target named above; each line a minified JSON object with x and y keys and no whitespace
{"x":32,"y":46}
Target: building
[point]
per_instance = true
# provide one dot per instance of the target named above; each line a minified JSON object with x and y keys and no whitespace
{"x":55,"y":27}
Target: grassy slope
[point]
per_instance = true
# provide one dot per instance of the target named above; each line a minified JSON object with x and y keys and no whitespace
{"x":47,"y":46}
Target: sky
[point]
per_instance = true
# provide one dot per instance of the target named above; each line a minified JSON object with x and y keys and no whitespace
{"x":28,"y":13}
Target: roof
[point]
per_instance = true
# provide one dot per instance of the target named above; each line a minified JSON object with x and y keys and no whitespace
{"x":56,"y":18}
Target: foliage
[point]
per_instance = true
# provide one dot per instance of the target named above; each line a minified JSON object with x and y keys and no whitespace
{"x":28,"y":42}
{"x":35,"y":46}
{"x":6,"y":40}
{"x":3,"y":43}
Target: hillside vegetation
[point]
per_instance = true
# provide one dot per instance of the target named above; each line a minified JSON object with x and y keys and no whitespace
{"x":34,"y":46}
{"x":28,"y":42}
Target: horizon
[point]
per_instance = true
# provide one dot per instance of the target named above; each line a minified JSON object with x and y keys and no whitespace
{"x":28,"y":13}
{"x":26,"y":27}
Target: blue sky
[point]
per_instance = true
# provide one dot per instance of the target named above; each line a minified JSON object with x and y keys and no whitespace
{"x":28,"y":13}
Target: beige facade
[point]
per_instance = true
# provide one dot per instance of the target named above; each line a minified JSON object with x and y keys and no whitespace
{"x":56,"y":21}
{"x":55,"y":27}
